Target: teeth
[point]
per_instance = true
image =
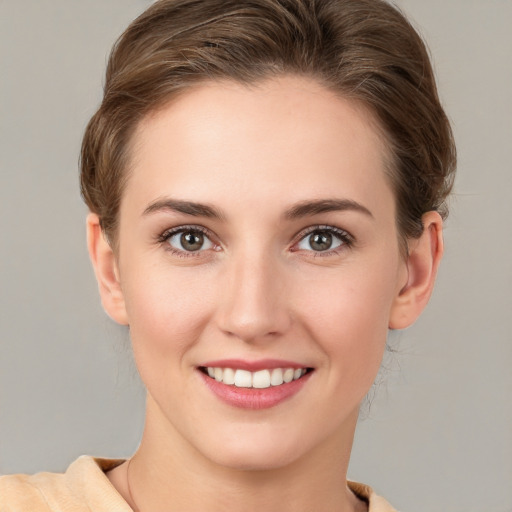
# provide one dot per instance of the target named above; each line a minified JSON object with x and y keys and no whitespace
{"x":276,"y":377}
{"x":288,"y":375}
{"x":229,"y":376}
{"x":259,"y":380}
{"x":243,"y":379}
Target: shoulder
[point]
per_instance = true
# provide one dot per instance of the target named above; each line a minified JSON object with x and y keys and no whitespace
{"x":83,"y":487}
{"x":375,"y":502}
{"x":19,"y":493}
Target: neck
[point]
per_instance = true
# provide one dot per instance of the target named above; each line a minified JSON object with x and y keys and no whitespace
{"x":167,"y":473}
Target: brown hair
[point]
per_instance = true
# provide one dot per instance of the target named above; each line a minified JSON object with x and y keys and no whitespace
{"x":364,"y":49}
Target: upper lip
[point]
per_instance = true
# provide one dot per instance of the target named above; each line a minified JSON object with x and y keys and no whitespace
{"x":252,"y":366}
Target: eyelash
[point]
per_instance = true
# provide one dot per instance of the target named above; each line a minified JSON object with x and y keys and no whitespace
{"x":347,"y":240}
{"x":166,"y":235}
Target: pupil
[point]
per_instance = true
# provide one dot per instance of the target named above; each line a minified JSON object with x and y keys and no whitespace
{"x":320,"y":241}
{"x":192,"y":241}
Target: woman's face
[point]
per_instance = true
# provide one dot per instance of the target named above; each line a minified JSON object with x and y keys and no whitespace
{"x":257,"y":233}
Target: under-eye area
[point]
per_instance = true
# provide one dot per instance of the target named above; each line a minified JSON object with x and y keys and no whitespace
{"x":258,"y":380}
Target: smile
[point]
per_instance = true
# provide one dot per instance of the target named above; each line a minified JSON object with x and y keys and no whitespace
{"x":260,"y":379}
{"x":254,"y":384}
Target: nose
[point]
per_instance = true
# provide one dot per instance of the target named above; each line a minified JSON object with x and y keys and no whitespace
{"x":253,"y":301}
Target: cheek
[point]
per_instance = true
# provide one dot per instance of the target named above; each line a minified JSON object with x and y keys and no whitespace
{"x":348,"y":314}
{"x":167,"y":312}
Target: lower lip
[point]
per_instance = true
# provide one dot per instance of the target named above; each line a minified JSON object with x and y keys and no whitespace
{"x":252,"y":398}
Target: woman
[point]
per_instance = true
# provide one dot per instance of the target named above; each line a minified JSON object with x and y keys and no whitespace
{"x":258,"y":311}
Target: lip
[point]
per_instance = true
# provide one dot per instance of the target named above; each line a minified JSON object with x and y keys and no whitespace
{"x":253,"y":366}
{"x":252,"y":398}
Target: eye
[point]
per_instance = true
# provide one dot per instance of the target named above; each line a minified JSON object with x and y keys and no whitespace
{"x":187,"y":240}
{"x":324,"y":239}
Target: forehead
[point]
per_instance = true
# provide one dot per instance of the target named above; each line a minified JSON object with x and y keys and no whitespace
{"x":224,"y":141}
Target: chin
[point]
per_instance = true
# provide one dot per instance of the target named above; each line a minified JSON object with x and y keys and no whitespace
{"x":260,"y":452}
{"x":254,"y":461}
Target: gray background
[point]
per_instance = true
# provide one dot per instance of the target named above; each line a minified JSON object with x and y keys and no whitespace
{"x":438,"y":436}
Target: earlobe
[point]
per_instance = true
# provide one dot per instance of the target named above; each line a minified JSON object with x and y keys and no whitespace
{"x":106,"y":270}
{"x":422,"y":263}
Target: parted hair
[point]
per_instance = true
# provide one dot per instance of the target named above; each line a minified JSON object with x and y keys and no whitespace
{"x":365,"y":50}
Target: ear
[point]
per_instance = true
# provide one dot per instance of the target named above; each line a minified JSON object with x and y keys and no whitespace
{"x":422,"y":263}
{"x":106,"y":270}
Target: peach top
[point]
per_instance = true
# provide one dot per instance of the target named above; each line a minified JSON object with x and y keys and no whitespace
{"x":84,"y":487}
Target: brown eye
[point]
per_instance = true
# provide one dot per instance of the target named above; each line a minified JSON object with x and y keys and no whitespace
{"x":189,"y":240}
{"x":192,"y":241}
{"x":320,"y":241}
{"x":324,"y":240}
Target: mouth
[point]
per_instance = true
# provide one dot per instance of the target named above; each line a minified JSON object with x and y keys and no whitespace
{"x":261,"y":379}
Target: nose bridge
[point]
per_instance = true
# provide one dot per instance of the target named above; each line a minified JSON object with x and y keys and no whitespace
{"x":253,"y":300}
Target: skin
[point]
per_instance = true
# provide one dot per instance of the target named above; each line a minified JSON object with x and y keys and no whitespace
{"x":259,"y":290}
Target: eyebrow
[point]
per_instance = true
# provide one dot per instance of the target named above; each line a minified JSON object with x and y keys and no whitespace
{"x":297,"y":211}
{"x":186,"y":207}
{"x":306,"y":208}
